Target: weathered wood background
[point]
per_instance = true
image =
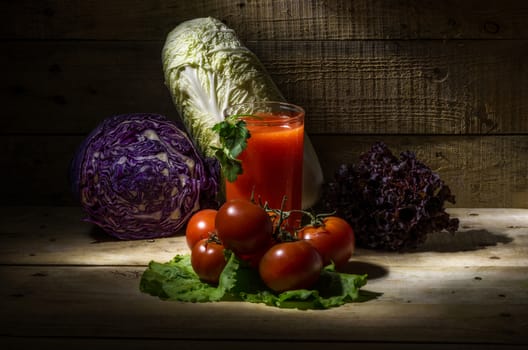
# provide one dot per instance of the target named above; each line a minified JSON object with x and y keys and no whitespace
{"x":446,"y":79}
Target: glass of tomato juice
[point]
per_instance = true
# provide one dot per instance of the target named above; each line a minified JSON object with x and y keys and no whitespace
{"x":272,"y":162}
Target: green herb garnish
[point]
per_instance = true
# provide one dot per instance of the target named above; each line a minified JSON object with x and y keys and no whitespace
{"x":233,"y":135}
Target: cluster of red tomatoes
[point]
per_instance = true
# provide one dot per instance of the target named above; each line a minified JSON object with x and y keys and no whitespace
{"x":253,"y":233}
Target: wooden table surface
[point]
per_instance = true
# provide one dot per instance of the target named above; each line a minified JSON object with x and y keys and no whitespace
{"x":66,"y":284}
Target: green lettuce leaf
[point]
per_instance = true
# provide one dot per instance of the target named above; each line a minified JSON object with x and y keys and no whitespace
{"x":176,"y":280}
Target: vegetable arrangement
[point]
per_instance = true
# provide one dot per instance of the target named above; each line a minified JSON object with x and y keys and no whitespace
{"x":249,"y":254}
{"x":141,"y":176}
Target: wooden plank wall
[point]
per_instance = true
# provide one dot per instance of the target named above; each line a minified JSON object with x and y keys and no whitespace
{"x":446,"y":79}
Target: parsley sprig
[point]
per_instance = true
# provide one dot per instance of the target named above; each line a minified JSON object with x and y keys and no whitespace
{"x":233,"y":135}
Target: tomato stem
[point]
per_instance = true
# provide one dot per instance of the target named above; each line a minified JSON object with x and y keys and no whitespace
{"x":281,"y":233}
{"x":213,"y":238}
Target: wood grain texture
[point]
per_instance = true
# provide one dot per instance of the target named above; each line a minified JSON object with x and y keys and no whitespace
{"x":357,"y":87}
{"x":104,"y":302}
{"x":268,"y":19}
{"x":58,"y":236}
{"x":404,"y":87}
{"x":69,"y":87}
{"x":447,"y":292}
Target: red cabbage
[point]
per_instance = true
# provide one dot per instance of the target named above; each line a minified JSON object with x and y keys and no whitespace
{"x":391,"y":203}
{"x":140,"y":176}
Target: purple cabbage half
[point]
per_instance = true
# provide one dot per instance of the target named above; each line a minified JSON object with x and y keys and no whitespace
{"x":139,"y":176}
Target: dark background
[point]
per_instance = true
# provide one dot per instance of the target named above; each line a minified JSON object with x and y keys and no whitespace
{"x":445,"y":79}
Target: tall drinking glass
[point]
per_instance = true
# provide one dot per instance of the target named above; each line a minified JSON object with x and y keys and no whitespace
{"x":272,"y":163}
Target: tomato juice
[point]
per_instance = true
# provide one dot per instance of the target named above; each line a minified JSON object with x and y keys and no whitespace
{"x":272,"y":163}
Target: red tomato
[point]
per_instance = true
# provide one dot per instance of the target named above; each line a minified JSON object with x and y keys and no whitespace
{"x":199,"y":226}
{"x":290,"y":265}
{"x":243,"y":227}
{"x":334,"y":240}
{"x":208,"y":260}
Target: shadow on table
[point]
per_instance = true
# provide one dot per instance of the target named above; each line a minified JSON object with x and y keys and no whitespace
{"x":373,"y":271}
{"x":98,"y":235}
{"x":460,"y":241}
